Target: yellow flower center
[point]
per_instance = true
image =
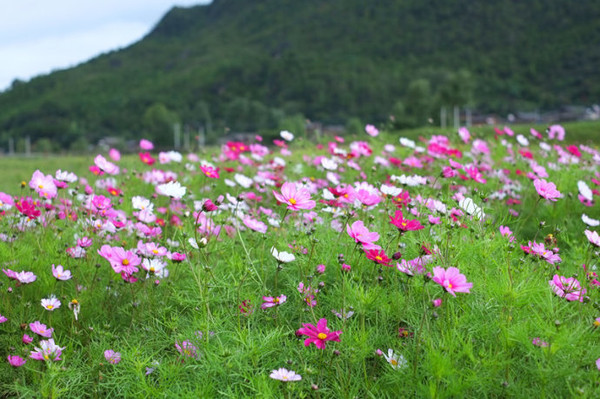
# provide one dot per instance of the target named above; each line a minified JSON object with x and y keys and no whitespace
{"x":41,"y":186}
{"x":125,"y":262}
{"x":596,"y":323}
{"x":152,"y":269}
{"x":292,"y":201}
{"x":379,"y":258}
{"x":74,"y":302}
{"x":155,"y":251}
{"x":46,"y":357}
{"x":285,"y":377}
{"x":276,"y":300}
{"x":49,"y":307}
{"x":394,"y":362}
{"x":449,"y":285}
{"x":322,"y":336}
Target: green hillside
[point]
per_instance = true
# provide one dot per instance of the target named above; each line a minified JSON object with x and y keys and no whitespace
{"x":255,"y":65}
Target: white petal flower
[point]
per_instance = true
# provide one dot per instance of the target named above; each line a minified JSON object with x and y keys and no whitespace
{"x":283,"y":257}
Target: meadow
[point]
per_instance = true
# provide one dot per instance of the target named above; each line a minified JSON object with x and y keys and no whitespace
{"x":436,"y":265}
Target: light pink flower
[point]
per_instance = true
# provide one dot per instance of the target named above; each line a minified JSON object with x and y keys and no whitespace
{"x":451,"y":279}
{"x":40,"y":329}
{"x":47,"y":350}
{"x":546,"y":189}
{"x":188,"y":349}
{"x":361,"y":234}
{"x":255,"y":225}
{"x":294,"y":197}
{"x":568,"y":288}
{"x":60,"y":274}
{"x":146,"y":145}
{"x":318,"y":334}
{"x":593,"y":237}
{"x":270,"y":301}
{"x":371,"y":130}
{"x":285,"y":375}
{"x":112,"y":357}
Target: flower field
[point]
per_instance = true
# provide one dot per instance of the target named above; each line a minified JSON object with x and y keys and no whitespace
{"x":449,"y":266}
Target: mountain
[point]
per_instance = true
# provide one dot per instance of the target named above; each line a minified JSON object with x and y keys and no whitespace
{"x":255,"y":65}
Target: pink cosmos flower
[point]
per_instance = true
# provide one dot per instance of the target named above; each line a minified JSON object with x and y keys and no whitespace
{"x":27,"y":339}
{"x":371,"y":130}
{"x":378,"y":256}
{"x":114,"y":154}
{"x":506,"y":232}
{"x":321,"y":269}
{"x":84,"y":242}
{"x":146,"y":145}
{"x":16,"y":361}
{"x":593,"y":237}
{"x":361,"y":234}
{"x":568,"y":288}
{"x":451,"y":279}
{"x":3,"y":319}
{"x":296,"y":198}
{"x":255,"y":225}
{"x":270,"y":301}
{"x":598,"y":363}
{"x":40,"y":329}
{"x":318,"y":334}
{"x":546,"y":189}
{"x":112,"y":357}
{"x":121,"y":261}
{"x":285,"y":375}
{"x":437,"y":302}
{"x":25,"y":277}
{"x":538,"y":342}
{"x":60,"y":274}
{"x":43,"y":185}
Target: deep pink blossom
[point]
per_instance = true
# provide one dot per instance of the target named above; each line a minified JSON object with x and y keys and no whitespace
{"x":318,"y":334}
{"x":270,"y":301}
{"x":404,"y":224}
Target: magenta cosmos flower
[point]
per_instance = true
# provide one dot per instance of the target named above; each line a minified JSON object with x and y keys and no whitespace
{"x":16,"y":361}
{"x":451,"y":279}
{"x":318,"y":334}
{"x":294,"y":197}
{"x":568,"y":288}
{"x":361,"y":234}
{"x":404,"y":224}
{"x":546,"y":189}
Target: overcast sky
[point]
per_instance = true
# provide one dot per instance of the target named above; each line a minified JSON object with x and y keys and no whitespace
{"x":38,"y":36}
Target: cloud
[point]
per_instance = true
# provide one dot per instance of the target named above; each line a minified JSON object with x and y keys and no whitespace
{"x":38,"y":36}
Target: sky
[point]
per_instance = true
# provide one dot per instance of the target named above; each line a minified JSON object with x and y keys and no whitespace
{"x":39,"y":36}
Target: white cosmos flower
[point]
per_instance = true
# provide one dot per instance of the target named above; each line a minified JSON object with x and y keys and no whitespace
{"x":396,"y":360}
{"x":545,"y":146}
{"x":522,"y":140}
{"x":283,"y":257}
{"x":467,"y":205}
{"x":589,"y":221}
{"x":242,"y":180}
{"x":585,"y":190}
{"x":328,"y":164}
{"x":287,"y":136}
{"x":390,"y":190}
{"x":172,"y":189}
{"x":407,"y":142}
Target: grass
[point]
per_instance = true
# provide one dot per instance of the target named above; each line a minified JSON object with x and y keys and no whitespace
{"x":477,"y":344}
